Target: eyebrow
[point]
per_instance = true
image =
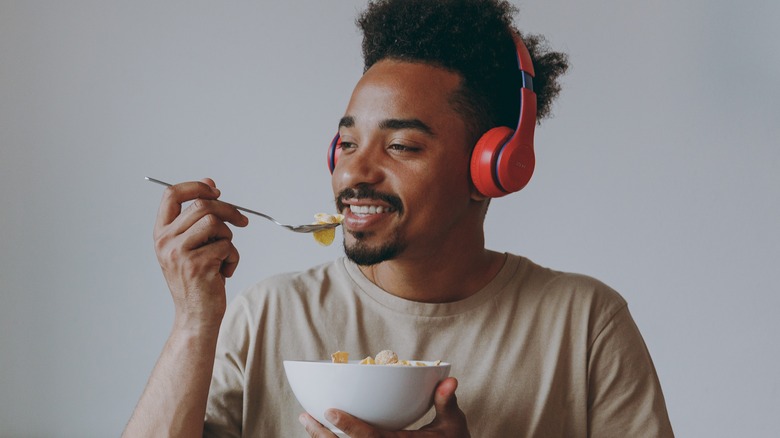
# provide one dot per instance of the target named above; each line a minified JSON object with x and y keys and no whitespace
{"x":392,"y":124}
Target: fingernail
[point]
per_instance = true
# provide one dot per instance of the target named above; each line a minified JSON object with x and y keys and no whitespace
{"x":331,"y":416}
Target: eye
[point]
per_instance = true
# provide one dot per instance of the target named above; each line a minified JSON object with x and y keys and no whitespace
{"x":403,"y":148}
{"x":346,"y":145}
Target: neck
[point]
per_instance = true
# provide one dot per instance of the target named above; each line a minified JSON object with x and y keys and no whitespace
{"x":436,"y":279}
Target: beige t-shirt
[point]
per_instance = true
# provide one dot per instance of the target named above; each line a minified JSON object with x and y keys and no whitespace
{"x":536,"y":352}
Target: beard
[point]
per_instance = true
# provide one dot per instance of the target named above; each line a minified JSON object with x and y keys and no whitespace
{"x":361,"y":253}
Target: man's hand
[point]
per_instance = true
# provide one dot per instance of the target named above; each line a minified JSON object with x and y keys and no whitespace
{"x":196,"y":254}
{"x":449,"y":422}
{"x":195,"y":251}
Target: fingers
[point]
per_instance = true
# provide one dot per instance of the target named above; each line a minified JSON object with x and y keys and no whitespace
{"x":209,"y":228}
{"x":201,"y":228}
{"x":199,"y":208}
{"x":175,"y":196}
{"x":351,"y":425}
{"x":450,"y":421}
{"x":203,"y":222}
{"x":172,"y":221}
{"x":210,"y":182}
{"x":230,"y":261}
{"x":215,"y":244}
{"x":314,"y":428}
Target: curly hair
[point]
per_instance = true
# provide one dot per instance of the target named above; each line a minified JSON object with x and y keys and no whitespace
{"x":473,"y":38}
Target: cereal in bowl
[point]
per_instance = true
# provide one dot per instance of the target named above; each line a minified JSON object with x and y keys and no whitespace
{"x":384,"y":357}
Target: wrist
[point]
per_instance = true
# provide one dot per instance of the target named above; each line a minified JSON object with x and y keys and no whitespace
{"x":191,"y":328}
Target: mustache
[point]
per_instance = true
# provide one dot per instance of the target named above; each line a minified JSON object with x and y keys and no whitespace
{"x":363,"y":192}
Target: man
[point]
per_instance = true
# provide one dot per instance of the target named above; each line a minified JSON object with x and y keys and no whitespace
{"x":534,"y":352}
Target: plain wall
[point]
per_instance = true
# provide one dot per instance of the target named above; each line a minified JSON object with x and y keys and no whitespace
{"x":658,"y":174}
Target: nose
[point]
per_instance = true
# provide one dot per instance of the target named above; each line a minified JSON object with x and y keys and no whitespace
{"x":362,"y":165}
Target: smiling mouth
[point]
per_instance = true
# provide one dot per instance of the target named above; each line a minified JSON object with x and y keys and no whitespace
{"x":363,"y":210}
{"x":365,"y":201}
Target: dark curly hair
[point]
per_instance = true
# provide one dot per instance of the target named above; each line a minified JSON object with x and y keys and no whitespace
{"x":472,"y":38}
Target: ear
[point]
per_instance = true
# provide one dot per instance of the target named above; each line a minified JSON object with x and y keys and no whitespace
{"x":481,"y":203}
{"x":476,"y":195}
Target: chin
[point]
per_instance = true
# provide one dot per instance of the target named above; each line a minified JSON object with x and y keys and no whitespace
{"x":364,"y":254}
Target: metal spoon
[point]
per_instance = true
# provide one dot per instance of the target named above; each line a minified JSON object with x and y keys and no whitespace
{"x":309,"y":228}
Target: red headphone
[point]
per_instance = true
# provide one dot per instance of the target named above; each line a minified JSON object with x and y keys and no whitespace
{"x":502,"y":161}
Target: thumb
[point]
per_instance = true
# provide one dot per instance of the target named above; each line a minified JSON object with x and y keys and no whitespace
{"x":449,"y":420}
{"x":444,"y":400}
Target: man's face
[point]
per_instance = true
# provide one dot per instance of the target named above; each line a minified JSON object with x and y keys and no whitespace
{"x":402,"y":179}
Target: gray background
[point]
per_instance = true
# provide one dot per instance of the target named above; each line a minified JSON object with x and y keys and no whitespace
{"x":658,"y":175}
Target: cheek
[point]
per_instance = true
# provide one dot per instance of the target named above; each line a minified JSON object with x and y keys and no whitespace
{"x":338,"y":181}
{"x":447,"y":183}
{"x":457,"y":173}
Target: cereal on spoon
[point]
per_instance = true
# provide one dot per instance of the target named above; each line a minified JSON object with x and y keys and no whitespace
{"x":325,"y":237}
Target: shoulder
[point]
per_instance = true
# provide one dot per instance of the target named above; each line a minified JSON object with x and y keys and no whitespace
{"x":290,"y":294}
{"x":317,"y":287}
{"x":315,"y":278}
{"x":552,"y":283}
{"x":577,"y":294}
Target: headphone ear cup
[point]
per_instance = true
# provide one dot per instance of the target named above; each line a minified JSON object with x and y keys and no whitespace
{"x":484,"y":158}
{"x":333,"y":152}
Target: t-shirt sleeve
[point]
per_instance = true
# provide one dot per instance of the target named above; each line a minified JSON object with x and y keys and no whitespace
{"x":625,"y":396}
{"x":224,"y":410}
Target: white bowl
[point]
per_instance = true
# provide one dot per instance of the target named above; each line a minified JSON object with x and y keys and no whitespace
{"x":389,"y":397}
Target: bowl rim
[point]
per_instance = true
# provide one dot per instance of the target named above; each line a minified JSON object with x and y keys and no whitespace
{"x":428,"y":363}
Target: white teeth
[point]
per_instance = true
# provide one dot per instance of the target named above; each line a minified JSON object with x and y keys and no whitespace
{"x":368,"y":209}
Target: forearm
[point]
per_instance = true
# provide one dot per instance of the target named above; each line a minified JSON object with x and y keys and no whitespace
{"x":173,"y":403}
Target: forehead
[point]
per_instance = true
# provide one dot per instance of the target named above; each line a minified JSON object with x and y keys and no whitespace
{"x":400,"y":89}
